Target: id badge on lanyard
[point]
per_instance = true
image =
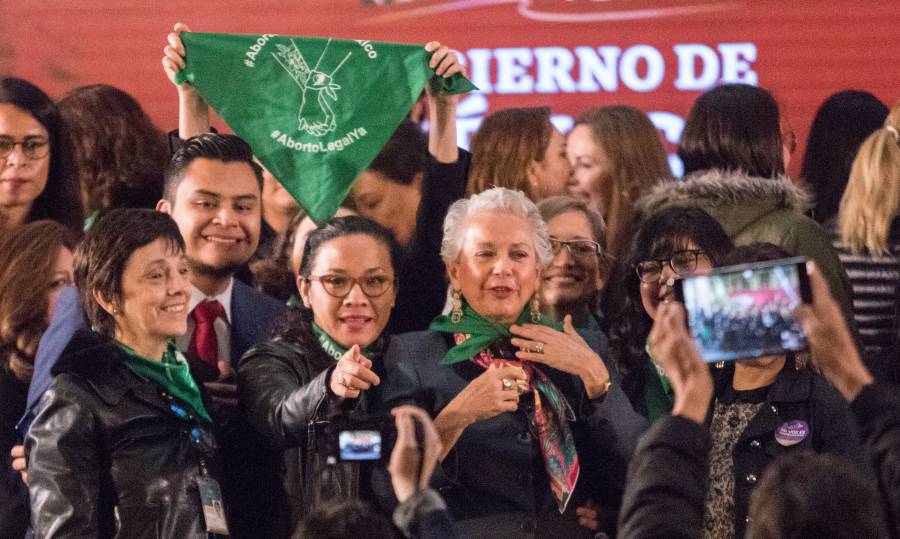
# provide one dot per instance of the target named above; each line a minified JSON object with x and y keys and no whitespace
{"x":211,"y":500}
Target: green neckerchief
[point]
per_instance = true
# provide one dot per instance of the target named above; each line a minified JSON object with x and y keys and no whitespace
{"x":172,"y":374}
{"x":658,"y":395}
{"x":331,"y":347}
{"x":483,"y":332}
{"x":89,"y":220}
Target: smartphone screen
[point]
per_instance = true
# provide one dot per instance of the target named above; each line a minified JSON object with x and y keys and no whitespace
{"x":746,"y":311}
{"x":359,"y":444}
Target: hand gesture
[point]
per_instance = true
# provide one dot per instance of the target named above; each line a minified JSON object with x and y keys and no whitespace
{"x":444,"y":61}
{"x":589,"y":515}
{"x":18,"y":461}
{"x":563,"y":350}
{"x":833,"y":350}
{"x":410,"y":468}
{"x":352,"y":374}
{"x":173,"y":53}
{"x":494,"y":392}
{"x":689,"y":375}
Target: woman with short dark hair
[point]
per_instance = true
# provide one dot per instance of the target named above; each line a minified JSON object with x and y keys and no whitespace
{"x":121,"y":444}
{"x":37,"y":180}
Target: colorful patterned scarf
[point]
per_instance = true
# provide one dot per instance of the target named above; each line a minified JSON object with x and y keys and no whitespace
{"x":473,"y":335}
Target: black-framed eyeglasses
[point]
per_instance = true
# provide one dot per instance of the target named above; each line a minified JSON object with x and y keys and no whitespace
{"x":341,"y":285}
{"x":682,"y":262}
{"x":33,"y":147}
{"x":577,"y":248}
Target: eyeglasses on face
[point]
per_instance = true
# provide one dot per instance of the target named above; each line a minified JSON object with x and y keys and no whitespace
{"x":577,"y":248}
{"x":341,"y":285}
{"x":682,"y":262}
{"x":33,"y":147}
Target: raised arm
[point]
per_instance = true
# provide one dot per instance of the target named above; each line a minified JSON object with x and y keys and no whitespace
{"x":442,"y":106}
{"x":193,"y":112}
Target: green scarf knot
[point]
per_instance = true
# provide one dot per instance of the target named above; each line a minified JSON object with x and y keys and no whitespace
{"x":483,"y":332}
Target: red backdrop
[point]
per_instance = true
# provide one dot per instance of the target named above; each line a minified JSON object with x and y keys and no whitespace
{"x":568,"y":54}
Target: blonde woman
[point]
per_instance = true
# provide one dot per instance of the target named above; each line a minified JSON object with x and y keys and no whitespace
{"x":869,"y":231}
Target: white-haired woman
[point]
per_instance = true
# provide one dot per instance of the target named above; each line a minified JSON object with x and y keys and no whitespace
{"x":532,"y":418}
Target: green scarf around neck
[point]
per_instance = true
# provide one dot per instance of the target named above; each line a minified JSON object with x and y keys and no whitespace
{"x":172,"y":374}
{"x":333,"y":348}
{"x":483,"y":332}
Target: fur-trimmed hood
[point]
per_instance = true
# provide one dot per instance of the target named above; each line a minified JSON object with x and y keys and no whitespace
{"x":718,"y":188}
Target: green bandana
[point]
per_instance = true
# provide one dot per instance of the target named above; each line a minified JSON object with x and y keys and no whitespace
{"x":483,"y":332}
{"x":331,"y":346}
{"x":315,"y":111}
{"x":172,"y":374}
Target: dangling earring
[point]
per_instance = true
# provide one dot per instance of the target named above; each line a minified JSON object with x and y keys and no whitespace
{"x":456,"y":311}
{"x":535,"y":309}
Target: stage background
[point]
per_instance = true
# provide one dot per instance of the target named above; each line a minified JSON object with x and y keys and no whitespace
{"x":568,"y":54}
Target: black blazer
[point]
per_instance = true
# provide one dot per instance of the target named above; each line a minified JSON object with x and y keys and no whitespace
{"x":494,"y":477}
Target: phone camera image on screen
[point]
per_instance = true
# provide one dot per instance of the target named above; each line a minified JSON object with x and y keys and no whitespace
{"x":359,"y":444}
{"x":746,"y":311}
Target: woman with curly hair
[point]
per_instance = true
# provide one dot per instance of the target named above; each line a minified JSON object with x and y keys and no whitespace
{"x":120,"y":155}
{"x":35,"y":263}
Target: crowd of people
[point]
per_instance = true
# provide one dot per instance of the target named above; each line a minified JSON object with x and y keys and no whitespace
{"x":183,"y":351}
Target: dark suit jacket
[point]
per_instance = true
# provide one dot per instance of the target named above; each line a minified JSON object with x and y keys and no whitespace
{"x":494,"y":477}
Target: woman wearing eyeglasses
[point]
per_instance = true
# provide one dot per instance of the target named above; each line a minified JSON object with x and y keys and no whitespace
{"x":36,"y":176}
{"x":324,"y":360}
{"x":571,"y":283}
{"x":668,"y":246}
{"x":735,"y":148}
{"x":120,"y":444}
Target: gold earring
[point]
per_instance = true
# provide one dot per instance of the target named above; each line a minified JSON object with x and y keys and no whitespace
{"x":535,"y":308}
{"x":456,"y":311}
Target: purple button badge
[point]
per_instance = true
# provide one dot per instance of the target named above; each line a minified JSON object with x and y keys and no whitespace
{"x":792,"y":432}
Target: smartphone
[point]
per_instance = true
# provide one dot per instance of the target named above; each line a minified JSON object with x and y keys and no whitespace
{"x":746,"y":311}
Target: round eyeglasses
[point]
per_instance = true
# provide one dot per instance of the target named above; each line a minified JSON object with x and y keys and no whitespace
{"x":577,"y":248}
{"x":682,"y":262}
{"x":32,"y":147}
{"x":341,"y":285}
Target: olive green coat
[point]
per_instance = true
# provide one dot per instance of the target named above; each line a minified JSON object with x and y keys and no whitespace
{"x":753,"y":209}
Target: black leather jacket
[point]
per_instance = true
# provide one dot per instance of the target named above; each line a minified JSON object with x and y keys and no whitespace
{"x":283,"y":389}
{"x":108,"y":454}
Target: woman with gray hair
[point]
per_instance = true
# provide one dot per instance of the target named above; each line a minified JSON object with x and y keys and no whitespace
{"x":516,"y":400}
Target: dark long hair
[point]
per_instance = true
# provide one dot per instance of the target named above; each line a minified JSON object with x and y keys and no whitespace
{"x":841,"y":125}
{"x":295,"y":326}
{"x":660,"y":236}
{"x":28,"y":257}
{"x":734,"y":127}
{"x":120,"y":154}
{"x":61,"y":199}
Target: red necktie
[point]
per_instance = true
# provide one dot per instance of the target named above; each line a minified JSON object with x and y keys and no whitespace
{"x":204,"y":344}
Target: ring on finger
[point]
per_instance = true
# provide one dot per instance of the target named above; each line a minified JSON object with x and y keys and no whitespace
{"x":508,"y":385}
{"x":538,"y":348}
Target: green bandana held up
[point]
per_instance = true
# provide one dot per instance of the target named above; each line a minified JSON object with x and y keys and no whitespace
{"x":483,"y":332}
{"x":315,"y":111}
{"x":172,"y":374}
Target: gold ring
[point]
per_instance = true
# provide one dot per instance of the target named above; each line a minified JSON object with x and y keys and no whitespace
{"x":508,"y":384}
{"x":539,"y":348}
